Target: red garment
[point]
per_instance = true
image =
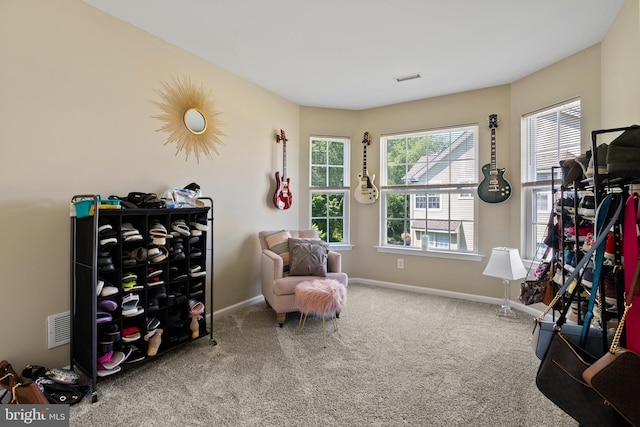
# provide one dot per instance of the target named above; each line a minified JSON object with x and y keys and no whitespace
{"x":630,"y":250}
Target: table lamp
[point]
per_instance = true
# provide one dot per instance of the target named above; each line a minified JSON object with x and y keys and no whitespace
{"x":505,"y":263}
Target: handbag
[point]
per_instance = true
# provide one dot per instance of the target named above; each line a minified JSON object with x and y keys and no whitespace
{"x":533,"y":291}
{"x":584,"y":335}
{"x":617,"y":374}
{"x":23,"y":391}
{"x":559,"y":378}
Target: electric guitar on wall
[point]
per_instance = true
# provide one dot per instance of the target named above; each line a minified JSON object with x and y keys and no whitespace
{"x":494,"y":188}
{"x":282,"y":197}
{"x":365,"y":191}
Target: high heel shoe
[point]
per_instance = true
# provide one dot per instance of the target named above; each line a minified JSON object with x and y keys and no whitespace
{"x":155,"y":338}
{"x":196,"y":308}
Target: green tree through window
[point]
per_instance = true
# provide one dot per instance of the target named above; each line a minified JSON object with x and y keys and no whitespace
{"x":329,"y":182}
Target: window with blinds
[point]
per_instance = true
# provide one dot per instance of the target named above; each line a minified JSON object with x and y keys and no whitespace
{"x":549,"y":136}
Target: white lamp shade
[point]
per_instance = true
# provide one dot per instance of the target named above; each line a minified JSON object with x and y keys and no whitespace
{"x":506,"y":264}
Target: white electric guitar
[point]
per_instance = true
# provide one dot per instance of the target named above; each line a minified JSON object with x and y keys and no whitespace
{"x":365,"y":191}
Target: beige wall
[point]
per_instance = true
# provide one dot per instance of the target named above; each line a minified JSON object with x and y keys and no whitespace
{"x":620,"y":70}
{"x":76,"y":91}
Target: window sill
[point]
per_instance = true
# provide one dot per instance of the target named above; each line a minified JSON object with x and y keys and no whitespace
{"x":430,"y":253}
{"x":340,"y":247}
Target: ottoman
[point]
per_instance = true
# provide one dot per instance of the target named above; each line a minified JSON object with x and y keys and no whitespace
{"x":322,"y":297}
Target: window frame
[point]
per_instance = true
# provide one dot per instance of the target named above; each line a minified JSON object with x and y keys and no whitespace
{"x":448,"y":193}
{"x":331,"y":190}
{"x":535,"y":182}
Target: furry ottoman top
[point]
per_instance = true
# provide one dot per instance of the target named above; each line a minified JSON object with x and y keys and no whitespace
{"x":322,"y":296}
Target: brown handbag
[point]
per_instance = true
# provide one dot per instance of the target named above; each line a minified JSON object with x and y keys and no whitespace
{"x":22,"y":391}
{"x":616,"y":375}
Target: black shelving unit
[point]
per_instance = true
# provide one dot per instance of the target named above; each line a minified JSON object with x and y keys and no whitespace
{"x":179,"y":280}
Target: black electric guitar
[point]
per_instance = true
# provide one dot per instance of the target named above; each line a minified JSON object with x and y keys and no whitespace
{"x":494,"y":188}
{"x":282,"y":198}
{"x":365,"y":191}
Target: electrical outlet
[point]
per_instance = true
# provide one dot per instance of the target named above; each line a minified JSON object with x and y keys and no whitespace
{"x":400,"y":263}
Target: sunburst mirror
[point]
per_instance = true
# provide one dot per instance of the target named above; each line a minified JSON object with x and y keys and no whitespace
{"x":190,"y":118}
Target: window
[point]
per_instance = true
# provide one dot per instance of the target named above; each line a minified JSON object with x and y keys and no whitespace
{"x":329,"y":182}
{"x":434,"y":201}
{"x":549,"y":136}
{"x":428,"y":188}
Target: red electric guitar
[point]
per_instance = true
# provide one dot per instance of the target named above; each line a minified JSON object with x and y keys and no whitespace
{"x":282,"y":198}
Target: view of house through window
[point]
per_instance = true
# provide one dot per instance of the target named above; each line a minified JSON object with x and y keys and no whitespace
{"x":428,"y":189}
{"x":549,"y":136}
{"x":329,"y":183}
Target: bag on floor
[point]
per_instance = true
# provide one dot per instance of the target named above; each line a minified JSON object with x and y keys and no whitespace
{"x":559,"y":378}
{"x":22,"y":391}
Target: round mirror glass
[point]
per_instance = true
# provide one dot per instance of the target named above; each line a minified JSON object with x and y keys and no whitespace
{"x":195,"y":121}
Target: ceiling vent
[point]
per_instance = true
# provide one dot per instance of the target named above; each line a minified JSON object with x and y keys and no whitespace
{"x":407,"y":77}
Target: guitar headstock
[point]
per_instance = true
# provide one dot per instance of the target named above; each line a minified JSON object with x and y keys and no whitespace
{"x":366,"y":139}
{"x":281,"y":137}
{"x":493,"y":121}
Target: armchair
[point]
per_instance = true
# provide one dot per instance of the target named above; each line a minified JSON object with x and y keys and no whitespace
{"x":278,"y":287}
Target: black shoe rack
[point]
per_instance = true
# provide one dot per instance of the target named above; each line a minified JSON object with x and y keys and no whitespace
{"x":101,"y":256}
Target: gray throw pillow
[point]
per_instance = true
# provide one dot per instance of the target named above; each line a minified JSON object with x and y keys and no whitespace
{"x":308,"y":257}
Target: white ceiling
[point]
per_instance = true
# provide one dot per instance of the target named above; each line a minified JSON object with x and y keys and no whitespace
{"x":346,"y":53}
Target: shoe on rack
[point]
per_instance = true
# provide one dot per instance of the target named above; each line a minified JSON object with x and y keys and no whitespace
{"x":585,"y":228}
{"x":107,"y":236}
{"x":129,"y":233}
{"x":130,"y":305}
{"x":157,"y":254}
{"x":196,"y":271}
{"x":587,"y":277}
{"x":566,"y":204}
{"x":199,"y":222}
{"x":583,"y":161}
{"x":108,"y":289}
{"x":601,"y":153}
{"x":589,"y":241}
{"x":610,"y":248}
{"x":587,"y":205}
{"x":610,"y":295}
{"x":623,"y":157}
{"x":105,"y":264}
{"x":180,"y":226}
{"x":155,"y":339}
{"x":571,"y":172}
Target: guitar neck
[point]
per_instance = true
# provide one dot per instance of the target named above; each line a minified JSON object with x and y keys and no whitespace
{"x":364,"y":160}
{"x":493,"y":150}
{"x":284,"y":159}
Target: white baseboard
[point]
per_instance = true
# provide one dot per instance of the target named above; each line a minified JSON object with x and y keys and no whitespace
{"x":235,"y":307}
{"x":533,"y":310}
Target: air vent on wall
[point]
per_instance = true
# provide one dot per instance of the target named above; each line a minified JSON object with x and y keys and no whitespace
{"x":407,"y":77}
{"x":59,"y":329}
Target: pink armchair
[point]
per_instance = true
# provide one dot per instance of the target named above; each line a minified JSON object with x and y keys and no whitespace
{"x":278,"y":287}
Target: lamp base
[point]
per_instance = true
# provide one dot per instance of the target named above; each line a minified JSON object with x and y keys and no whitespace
{"x":506,"y":311}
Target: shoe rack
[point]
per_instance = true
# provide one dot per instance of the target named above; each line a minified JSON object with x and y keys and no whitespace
{"x":626,"y":185}
{"x":600,"y":184}
{"x":139,"y":281}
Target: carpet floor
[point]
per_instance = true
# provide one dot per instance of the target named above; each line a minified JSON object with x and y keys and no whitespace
{"x":398,"y":359}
